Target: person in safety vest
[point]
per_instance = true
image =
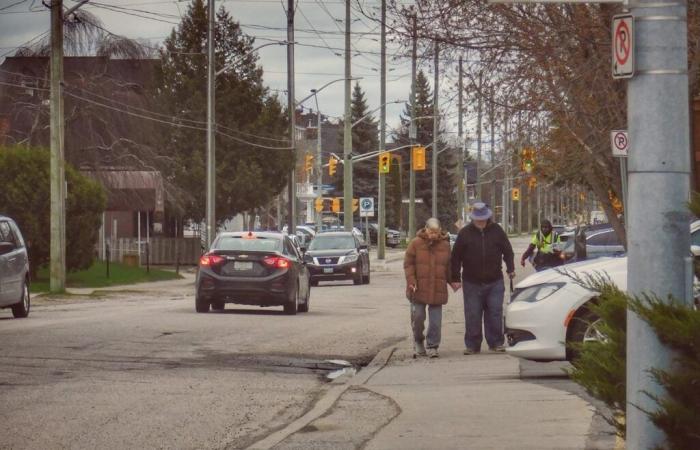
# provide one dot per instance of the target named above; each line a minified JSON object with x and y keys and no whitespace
{"x":544,"y":241}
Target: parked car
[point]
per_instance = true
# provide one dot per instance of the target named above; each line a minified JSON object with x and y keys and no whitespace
{"x":545,"y":301}
{"x":253,"y":268}
{"x":393,"y":237}
{"x":14,"y":269}
{"x":339,"y":255}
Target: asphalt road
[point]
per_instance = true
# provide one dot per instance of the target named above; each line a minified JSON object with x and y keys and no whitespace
{"x":136,"y":370}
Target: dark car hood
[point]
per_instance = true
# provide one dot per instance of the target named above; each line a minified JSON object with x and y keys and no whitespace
{"x":326,"y":253}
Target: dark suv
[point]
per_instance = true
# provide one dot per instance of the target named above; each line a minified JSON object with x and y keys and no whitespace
{"x":14,"y":269}
{"x":338,"y":255}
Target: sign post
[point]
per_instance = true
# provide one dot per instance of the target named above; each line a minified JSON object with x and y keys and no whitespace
{"x":367,"y":211}
{"x":620,"y":143}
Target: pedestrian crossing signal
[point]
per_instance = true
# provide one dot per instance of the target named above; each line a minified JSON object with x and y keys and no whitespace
{"x":418,"y":158}
{"x":384,"y":162}
{"x":515,"y":194}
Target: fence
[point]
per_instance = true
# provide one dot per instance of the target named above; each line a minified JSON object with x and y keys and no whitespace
{"x":159,"y":251}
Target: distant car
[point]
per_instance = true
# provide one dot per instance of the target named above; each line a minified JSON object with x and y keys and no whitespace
{"x":14,"y":269}
{"x":393,"y":237}
{"x":253,"y":268}
{"x":338,"y":255}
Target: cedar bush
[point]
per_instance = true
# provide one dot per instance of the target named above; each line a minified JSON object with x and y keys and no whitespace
{"x":25,"y":197}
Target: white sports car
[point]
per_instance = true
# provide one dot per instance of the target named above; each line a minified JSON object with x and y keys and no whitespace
{"x":548,"y":309}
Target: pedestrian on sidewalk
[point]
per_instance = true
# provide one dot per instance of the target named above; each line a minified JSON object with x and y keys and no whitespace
{"x":427,"y":268}
{"x":544,"y":241}
{"x":478,"y":253}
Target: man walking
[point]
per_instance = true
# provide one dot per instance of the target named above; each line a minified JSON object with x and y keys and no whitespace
{"x":427,"y":268}
{"x":477,"y":254}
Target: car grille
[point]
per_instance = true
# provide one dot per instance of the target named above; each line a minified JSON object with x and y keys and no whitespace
{"x":327,"y":260}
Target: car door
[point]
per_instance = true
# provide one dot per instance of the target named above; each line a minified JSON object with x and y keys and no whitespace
{"x":291,"y":253}
{"x":304,"y":274}
{"x":11,"y":267}
{"x":596,"y":245}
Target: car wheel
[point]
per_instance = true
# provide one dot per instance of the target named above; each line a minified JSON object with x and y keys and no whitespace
{"x":358,"y":277}
{"x":292,"y":306}
{"x":304,"y":307}
{"x":365,"y":279}
{"x":218,"y":306}
{"x":583,"y":328}
{"x":20,"y":310}
{"x":201,"y":305}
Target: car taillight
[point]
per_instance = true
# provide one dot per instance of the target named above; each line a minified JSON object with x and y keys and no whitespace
{"x":210,"y":260}
{"x":277,"y":262}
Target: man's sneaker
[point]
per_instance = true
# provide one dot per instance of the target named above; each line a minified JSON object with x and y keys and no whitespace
{"x":433,"y":353}
{"x":498,"y":349}
{"x":419,"y":349}
{"x":468,"y":351}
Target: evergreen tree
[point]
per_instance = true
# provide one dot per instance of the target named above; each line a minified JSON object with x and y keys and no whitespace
{"x":246,"y":176}
{"x":364,"y":139}
{"x":447,"y":160}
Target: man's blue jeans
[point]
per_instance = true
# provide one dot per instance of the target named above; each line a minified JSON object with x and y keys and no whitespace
{"x":483,"y":302}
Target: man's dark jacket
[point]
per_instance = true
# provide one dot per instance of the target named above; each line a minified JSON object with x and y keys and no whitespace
{"x":478,"y":253}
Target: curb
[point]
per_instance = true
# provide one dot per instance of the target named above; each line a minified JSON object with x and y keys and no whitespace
{"x":326,"y":402}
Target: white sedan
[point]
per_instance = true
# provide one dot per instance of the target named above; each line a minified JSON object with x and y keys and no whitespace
{"x":549,"y":309}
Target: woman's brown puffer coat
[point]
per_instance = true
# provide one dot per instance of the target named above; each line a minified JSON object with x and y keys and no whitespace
{"x":427,"y":265}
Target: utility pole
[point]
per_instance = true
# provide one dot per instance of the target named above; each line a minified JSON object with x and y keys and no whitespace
{"x":659,"y":175}
{"x":381,"y":236}
{"x":413,"y":134}
{"x":292,"y":187}
{"x":57,"y":263}
{"x":319,"y":166}
{"x":436,"y":127}
{"x":520,"y":207}
{"x":211,"y":133}
{"x":347,"y":133}
{"x":506,"y":172}
{"x":478,"y":142}
{"x":460,"y":108}
{"x":492,"y":121}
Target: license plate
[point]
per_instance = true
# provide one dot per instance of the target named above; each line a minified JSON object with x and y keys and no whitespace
{"x":327,"y":270}
{"x":242,"y":265}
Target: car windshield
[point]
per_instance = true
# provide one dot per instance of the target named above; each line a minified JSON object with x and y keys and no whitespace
{"x":332,"y":243}
{"x":247,"y":244}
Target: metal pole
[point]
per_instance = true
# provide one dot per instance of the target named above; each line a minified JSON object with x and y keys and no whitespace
{"x":291,"y":107}
{"x":492,"y":121}
{"x":211,"y":136}
{"x":478,"y":142}
{"x":623,"y":178}
{"x":461,"y":194}
{"x":319,"y":166}
{"x":520,"y":208}
{"x":436,"y":128}
{"x":413,"y":136}
{"x":506,"y":177}
{"x":381,"y":240}
{"x":347,"y":132}
{"x":138,"y":234}
{"x":57,"y":263}
{"x":659,"y":175}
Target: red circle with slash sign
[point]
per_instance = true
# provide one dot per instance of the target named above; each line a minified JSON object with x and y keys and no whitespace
{"x":623,"y":43}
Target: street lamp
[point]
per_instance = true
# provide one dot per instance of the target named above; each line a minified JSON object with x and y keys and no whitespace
{"x":211,"y":132}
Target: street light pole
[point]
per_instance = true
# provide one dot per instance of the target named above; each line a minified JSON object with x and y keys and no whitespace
{"x":412,"y":134}
{"x":211,"y":136}
{"x":381,"y":239}
{"x":319,"y":173}
{"x":436,"y":128}
{"x":347,"y":134}
{"x":292,"y":187}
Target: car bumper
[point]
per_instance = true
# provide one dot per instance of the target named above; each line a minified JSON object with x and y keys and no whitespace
{"x":264,"y":291}
{"x":536,"y":331}
{"x":393,"y":240}
{"x":335,"y":272}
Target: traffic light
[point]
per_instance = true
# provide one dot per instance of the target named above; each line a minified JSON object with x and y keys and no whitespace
{"x":318,"y":204}
{"x":532,"y":183}
{"x":309,"y":162}
{"x":527,"y":160}
{"x":335,"y":205}
{"x":355,"y":204}
{"x":384,"y":162}
{"x":332,"y":163}
{"x":515,"y":194}
{"x":418,"y":158}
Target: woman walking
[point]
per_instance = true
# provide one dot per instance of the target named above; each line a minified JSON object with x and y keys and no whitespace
{"x":427,"y":269}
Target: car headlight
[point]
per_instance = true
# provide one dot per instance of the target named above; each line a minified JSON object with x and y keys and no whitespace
{"x":536,"y":293}
{"x":350,"y":258}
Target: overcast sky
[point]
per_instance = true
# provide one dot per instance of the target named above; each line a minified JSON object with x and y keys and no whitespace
{"x":152,"y":20}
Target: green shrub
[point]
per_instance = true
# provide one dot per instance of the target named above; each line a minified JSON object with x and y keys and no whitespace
{"x":25,"y":196}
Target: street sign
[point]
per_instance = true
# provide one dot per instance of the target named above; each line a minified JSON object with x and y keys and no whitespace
{"x":367,"y":207}
{"x":620,"y":142}
{"x":623,"y":46}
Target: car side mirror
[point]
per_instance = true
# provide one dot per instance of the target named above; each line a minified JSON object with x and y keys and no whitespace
{"x":6,"y":247}
{"x":695,"y":250}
